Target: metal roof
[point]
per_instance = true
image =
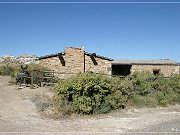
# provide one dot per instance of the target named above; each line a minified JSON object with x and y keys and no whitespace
{"x":145,"y":62}
{"x":50,"y":56}
{"x":98,"y":56}
{"x":86,"y":53}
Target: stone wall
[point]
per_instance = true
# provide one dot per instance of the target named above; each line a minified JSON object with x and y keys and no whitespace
{"x":54,"y":63}
{"x":165,"y":69}
{"x":72,"y":62}
{"x":97,"y":65}
{"x":75,"y":61}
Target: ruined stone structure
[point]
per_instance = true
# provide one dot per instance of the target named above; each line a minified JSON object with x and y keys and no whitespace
{"x":164,"y":66}
{"x":167,"y":70}
{"x":76,"y":60}
{"x":97,"y":64}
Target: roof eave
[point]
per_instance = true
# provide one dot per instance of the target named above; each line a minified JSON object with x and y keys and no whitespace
{"x":98,"y":56}
{"x":50,"y":56}
{"x":173,"y":64}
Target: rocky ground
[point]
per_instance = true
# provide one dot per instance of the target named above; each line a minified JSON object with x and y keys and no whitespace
{"x":19,"y":115}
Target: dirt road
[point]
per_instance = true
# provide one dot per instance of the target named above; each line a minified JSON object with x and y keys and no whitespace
{"x":18,"y":114}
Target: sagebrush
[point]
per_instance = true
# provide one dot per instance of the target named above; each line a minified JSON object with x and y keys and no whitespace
{"x":95,"y":93}
{"x":150,"y":90}
{"x":91,"y":93}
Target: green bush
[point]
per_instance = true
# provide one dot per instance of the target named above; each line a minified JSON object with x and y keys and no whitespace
{"x":164,"y":90}
{"x":6,"y":70}
{"x":13,"y":69}
{"x":143,"y":83}
{"x":143,"y":101}
{"x":61,"y":106}
{"x":91,"y":93}
{"x":175,"y":83}
{"x":9,"y":69}
{"x":36,"y":67}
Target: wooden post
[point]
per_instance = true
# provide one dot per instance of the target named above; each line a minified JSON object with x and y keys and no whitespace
{"x":32,"y":85}
{"x":20,"y":82}
{"x":24,"y":81}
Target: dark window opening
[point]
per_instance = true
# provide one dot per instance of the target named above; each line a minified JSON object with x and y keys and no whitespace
{"x":156,"y":71}
{"x":122,"y":70}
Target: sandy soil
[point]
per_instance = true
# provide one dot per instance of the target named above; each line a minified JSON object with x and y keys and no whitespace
{"x":18,"y":114}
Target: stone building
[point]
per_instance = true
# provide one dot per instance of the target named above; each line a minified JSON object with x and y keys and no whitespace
{"x":76,"y":60}
{"x":165,"y":66}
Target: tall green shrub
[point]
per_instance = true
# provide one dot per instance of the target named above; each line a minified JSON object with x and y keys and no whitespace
{"x":144,"y":83}
{"x":9,"y":69}
{"x":164,"y":90}
{"x":91,"y":93}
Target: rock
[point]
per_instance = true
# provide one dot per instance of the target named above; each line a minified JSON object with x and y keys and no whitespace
{"x":22,"y":59}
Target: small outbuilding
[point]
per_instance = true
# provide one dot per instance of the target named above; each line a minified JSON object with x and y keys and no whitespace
{"x":126,"y":67}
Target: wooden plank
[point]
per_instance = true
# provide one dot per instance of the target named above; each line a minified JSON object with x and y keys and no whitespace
{"x":32,"y":84}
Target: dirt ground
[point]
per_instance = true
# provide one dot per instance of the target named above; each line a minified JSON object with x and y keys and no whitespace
{"x":18,"y":114}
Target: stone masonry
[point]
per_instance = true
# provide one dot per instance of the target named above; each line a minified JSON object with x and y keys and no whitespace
{"x":67,"y":64}
{"x":167,"y":70}
{"x":76,"y":60}
{"x":97,"y":65}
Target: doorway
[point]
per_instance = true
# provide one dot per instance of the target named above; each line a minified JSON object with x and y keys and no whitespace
{"x":122,"y":70}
